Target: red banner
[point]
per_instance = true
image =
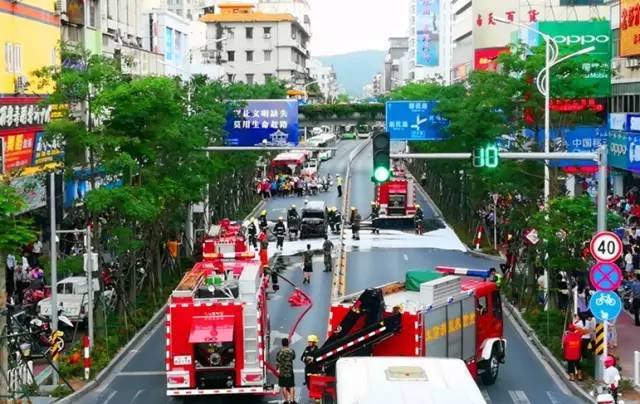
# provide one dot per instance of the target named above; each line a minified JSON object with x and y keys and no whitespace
{"x":18,"y":148}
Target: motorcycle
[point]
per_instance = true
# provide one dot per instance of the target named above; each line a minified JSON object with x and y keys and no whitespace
{"x":604,"y":395}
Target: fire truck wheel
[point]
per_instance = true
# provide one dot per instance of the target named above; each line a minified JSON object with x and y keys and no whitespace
{"x":491,"y":368}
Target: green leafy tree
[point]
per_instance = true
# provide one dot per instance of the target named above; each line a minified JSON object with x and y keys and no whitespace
{"x":15,"y":232}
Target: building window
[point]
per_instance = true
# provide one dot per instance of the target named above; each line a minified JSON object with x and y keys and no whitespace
{"x":250,"y":78}
{"x":179,"y":12}
{"x":267,"y":32}
{"x":231,"y":56}
{"x":8,"y":57}
{"x":17,"y":58}
{"x":93,"y":13}
{"x":230,"y":33}
{"x":268,"y":77}
{"x":248,"y":32}
{"x":267,"y":56}
{"x":249,"y":56}
{"x":230,"y":77}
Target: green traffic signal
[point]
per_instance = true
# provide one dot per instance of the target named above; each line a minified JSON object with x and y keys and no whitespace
{"x":381,"y":174}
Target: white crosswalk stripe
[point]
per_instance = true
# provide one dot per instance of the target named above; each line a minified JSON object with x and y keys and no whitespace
{"x":519,"y":397}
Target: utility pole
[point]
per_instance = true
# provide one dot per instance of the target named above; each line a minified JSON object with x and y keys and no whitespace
{"x":54,"y":265}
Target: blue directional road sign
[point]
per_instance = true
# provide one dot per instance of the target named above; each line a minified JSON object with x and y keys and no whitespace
{"x":605,"y":305}
{"x":413,"y":120}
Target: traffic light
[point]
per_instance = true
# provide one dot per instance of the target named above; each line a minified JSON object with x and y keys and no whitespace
{"x":381,"y":158}
{"x":486,"y":156}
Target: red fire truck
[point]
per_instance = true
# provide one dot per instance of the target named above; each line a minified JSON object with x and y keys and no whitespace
{"x":397,"y":197}
{"x":217,"y":322}
{"x":449,"y":316}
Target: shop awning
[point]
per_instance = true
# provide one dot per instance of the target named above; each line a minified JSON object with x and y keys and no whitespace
{"x":211,"y":330}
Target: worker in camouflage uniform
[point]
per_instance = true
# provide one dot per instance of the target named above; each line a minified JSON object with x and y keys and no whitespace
{"x":307,"y":265}
{"x":327,"y":248}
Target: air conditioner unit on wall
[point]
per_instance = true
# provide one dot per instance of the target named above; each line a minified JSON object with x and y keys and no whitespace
{"x":632,"y":63}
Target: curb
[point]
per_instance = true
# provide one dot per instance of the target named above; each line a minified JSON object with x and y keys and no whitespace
{"x":153,"y":322}
{"x":546,"y":355}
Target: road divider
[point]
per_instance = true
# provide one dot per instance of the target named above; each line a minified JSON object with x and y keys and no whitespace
{"x":339,"y":275}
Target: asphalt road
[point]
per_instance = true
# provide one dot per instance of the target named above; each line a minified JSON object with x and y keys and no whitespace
{"x":523,"y":379}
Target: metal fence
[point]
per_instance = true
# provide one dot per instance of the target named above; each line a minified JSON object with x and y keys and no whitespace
{"x":20,"y":376}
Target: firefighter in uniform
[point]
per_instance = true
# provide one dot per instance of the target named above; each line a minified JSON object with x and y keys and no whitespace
{"x":253,"y":233}
{"x":352,"y":215}
{"x":263,"y":221}
{"x":331,"y":216}
{"x":355,"y":225}
{"x":293,"y":222}
{"x":375,"y":213}
{"x":308,"y":356}
{"x":418,"y":220}
{"x":280,"y":232}
{"x":327,"y":248}
{"x":263,"y":239}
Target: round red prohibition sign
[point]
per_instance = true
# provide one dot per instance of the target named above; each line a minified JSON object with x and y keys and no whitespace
{"x":605,"y":276}
{"x":606,"y":246}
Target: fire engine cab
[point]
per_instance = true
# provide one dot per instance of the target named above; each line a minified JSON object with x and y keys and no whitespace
{"x":446,"y":316}
{"x":396,"y":197}
{"x":217,"y":322}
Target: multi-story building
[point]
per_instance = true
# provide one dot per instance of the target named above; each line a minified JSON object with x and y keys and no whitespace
{"x":29,"y":35}
{"x":326,"y":79}
{"x":167,"y":34}
{"x":625,"y":82}
{"x":254,"y":46}
{"x":395,"y":63}
{"x":113,"y":28}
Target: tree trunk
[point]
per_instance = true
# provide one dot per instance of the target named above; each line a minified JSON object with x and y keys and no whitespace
{"x":4,"y":358}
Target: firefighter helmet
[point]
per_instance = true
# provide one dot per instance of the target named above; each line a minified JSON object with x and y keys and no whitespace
{"x":417,"y":206}
{"x":263,"y":213}
{"x":312,"y":338}
{"x":293,"y":206}
{"x":373,"y":203}
{"x":280,"y":218}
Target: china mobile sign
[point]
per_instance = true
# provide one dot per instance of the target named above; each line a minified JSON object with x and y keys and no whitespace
{"x":574,"y":35}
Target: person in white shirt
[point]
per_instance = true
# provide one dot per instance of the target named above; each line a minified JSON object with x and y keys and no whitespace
{"x":611,"y":376}
{"x":586,"y":324}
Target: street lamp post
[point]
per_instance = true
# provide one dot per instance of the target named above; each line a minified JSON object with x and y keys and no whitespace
{"x":543,"y":83}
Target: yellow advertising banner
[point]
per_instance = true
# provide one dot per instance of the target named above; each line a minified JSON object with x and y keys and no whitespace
{"x":629,"y":28}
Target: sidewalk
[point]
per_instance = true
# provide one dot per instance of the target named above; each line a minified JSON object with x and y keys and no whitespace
{"x":628,"y":342}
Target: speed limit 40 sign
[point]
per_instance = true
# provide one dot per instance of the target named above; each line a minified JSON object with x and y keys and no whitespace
{"x":606,"y":246}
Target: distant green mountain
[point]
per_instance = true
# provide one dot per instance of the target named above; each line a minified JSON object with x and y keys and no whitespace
{"x":355,"y":69}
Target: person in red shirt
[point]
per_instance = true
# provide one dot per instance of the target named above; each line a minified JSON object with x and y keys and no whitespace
{"x":571,"y":347}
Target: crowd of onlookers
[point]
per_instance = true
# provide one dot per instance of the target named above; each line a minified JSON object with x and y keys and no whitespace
{"x":24,"y":275}
{"x":292,"y":185}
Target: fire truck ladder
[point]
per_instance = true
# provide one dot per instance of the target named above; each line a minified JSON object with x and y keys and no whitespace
{"x":250,"y":328}
{"x":343,"y":342}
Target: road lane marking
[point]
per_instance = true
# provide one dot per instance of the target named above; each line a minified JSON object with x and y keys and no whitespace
{"x":110,"y":396}
{"x":519,"y":397}
{"x":143,"y":373}
{"x":552,"y":398}
{"x":485,"y":394}
{"x":136,"y":396}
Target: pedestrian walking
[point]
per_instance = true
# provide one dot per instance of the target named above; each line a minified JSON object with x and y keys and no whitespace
{"x":327,"y":248}
{"x":355,"y":226}
{"x":263,"y":223}
{"x":10,"y":274}
{"x":308,"y":358}
{"x":339,"y":185}
{"x":307,"y":264}
{"x":284,"y":365}
{"x":280,"y":231}
{"x":635,"y":294}
{"x":572,"y":349}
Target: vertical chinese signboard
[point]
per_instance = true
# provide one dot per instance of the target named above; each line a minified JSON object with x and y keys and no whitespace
{"x":629,"y":28}
{"x":428,"y":32}
{"x":263,"y":122}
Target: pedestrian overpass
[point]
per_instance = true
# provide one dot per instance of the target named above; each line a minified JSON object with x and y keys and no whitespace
{"x":336,"y":115}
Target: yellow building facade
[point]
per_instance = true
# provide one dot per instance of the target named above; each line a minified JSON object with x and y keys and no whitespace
{"x":29,"y":36}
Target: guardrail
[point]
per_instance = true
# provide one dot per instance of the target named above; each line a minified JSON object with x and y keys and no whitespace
{"x":339,"y":285}
{"x":21,"y":375}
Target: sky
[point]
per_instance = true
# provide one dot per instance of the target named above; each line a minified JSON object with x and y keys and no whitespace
{"x":342,"y":26}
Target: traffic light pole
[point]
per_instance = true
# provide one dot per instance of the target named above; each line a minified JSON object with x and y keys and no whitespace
{"x":600,"y":157}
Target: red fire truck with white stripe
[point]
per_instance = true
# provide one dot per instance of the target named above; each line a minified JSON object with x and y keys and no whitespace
{"x":396,"y":197}
{"x":217,"y":322}
{"x":447,"y":317}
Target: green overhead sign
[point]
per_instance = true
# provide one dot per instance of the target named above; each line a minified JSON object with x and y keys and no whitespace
{"x":572,"y":36}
